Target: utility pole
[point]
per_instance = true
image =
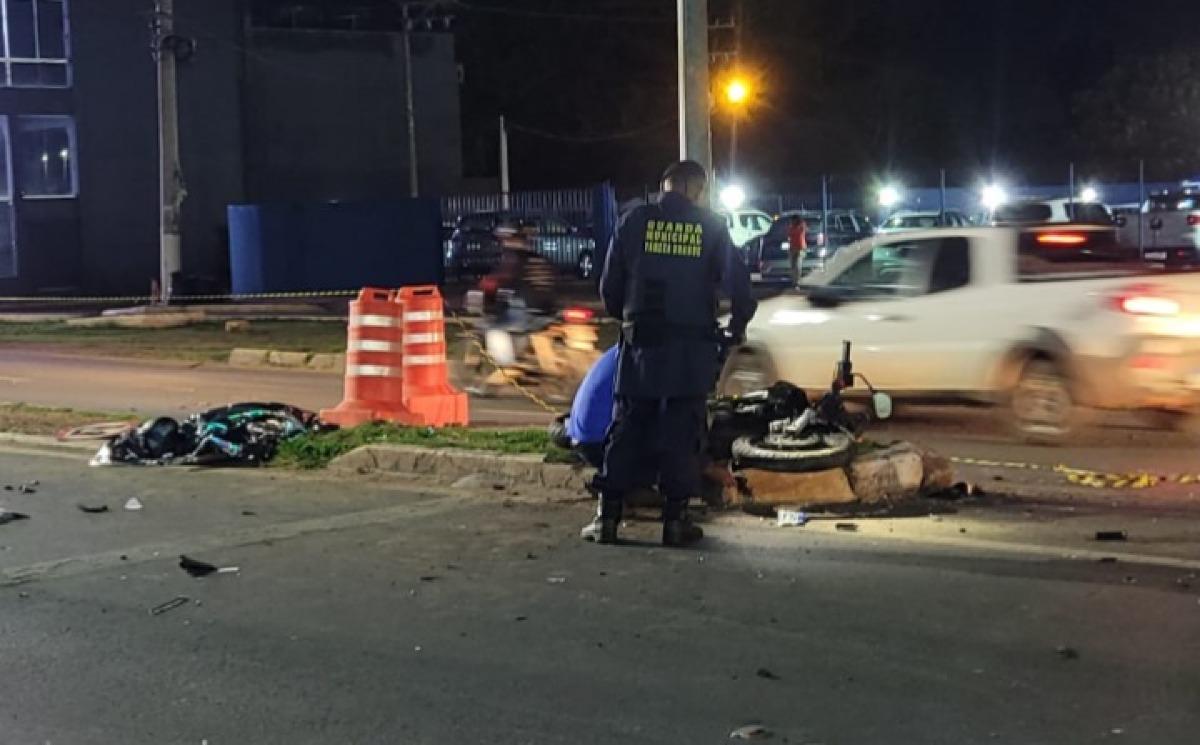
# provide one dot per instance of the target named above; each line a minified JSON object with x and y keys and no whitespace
{"x":695,"y":134}
{"x":505,"y":185}
{"x":171,"y":191}
{"x":414,"y":186}
{"x":739,"y":20}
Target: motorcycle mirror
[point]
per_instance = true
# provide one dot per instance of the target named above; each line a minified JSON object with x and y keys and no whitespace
{"x":882,"y":403}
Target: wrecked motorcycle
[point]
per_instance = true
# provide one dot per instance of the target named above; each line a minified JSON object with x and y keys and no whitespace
{"x":238,"y":434}
{"x":800,"y":436}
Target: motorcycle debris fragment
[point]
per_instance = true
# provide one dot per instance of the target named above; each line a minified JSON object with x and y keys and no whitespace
{"x":238,"y":434}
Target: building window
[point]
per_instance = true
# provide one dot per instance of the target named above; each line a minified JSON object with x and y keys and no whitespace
{"x":44,"y":156}
{"x":36,"y":44}
{"x":8,"y":244}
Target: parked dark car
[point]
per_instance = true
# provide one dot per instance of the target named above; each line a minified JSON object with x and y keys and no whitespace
{"x":562,"y":243}
{"x":767,"y":256}
{"x":473,"y":249}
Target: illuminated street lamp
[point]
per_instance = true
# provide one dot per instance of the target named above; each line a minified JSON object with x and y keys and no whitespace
{"x":733,"y":196}
{"x":1089,"y":194}
{"x":737,"y":92}
{"x":889,"y":196}
{"x":992,"y":196}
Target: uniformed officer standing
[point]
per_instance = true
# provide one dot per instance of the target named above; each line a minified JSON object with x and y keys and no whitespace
{"x":661,"y":278}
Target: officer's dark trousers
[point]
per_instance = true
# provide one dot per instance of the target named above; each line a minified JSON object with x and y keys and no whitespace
{"x":666,"y":432}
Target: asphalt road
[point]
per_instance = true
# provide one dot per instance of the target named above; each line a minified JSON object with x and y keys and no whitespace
{"x":51,"y":378}
{"x":153,"y":387}
{"x":369,"y":612}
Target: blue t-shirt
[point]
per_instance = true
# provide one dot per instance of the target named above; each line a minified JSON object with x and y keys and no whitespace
{"x":592,"y":410}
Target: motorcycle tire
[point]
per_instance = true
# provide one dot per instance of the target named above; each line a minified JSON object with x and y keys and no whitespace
{"x":819,"y":452}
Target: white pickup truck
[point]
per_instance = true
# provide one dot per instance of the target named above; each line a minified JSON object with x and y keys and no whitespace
{"x":1043,"y":321}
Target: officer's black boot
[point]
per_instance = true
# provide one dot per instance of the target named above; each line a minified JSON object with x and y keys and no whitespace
{"x":678,"y":529}
{"x":603,"y":529}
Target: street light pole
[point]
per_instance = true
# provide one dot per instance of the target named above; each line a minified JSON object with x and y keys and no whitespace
{"x":505,"y":185}
{"x":171,"y":192}
{"x":409,"y":107}
{"x":695,"y":136}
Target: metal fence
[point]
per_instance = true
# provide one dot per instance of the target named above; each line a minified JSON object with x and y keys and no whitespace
{"x":574,"y":205}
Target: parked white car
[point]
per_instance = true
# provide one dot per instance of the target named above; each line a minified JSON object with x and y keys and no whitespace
{"x":746,"y":225}
{"x":912,"y":220}
{"x":1050,"y":211}
{"x":1170,"y":227}
{"x":1042,"y":321}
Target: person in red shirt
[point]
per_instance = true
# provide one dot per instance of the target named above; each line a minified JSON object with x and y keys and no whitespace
{"x":797,"y":244}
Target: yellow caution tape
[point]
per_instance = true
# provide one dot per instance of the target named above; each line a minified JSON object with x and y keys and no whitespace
{"x":1088,"y":477}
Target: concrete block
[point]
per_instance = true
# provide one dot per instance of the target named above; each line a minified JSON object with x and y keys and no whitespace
{"x":287,"y":359}
{"x":887,"y":475}
{"x":328,"y":363}
{"x":248,"y":357}
{"x":819,"y":488}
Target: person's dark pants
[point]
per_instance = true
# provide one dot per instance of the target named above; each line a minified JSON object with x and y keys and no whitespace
{"x":592,"y":453}
{"x":667,"y":432}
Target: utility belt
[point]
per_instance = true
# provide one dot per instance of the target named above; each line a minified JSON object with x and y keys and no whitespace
{"x":653,"y":334}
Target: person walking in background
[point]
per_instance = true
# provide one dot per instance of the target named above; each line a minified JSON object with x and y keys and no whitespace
{"x":797,"y":245}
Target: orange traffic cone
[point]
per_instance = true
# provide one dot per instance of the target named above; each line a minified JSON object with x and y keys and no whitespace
{"x":427,"y":394}
{"x":374,"y":387}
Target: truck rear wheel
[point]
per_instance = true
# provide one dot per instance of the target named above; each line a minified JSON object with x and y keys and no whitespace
{"x":1042,"y":409}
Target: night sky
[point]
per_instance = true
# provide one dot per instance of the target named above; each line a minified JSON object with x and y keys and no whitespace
{"x":855,"y":88}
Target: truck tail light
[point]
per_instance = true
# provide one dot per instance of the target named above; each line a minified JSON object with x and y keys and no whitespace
{"x":1061,"y":239}
{"x":1194,"y":219}
{"x":1144,"y":301}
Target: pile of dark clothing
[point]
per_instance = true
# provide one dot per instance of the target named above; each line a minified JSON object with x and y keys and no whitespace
{"x":751,"y":415}
{"x":238,"y":434}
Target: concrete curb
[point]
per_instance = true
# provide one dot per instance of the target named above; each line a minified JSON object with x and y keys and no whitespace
{"x":275,"y":359}
{"x":451,"y":463}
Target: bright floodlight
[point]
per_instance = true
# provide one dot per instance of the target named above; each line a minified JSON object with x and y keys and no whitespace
{"x":993,"y":196}
{"x":736,"y":92}
{"x":889,"y":196}
{"x":733,"y":196}
{"x":1089,"y":194}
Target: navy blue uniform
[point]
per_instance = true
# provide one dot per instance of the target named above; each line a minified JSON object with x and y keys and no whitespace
{"x":662,"y":277}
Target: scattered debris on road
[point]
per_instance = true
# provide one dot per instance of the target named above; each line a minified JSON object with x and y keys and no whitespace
{"x":176,"y":602}
{"x":92,"y":509}
{"x":786,"y":518}
{"x":1107,"y":560}
{"x":1111,"y":535}
{"x":847,"y":527}
{"x":556,"y":580}
{"x":1067,"y":653}
{"x":7,"y":517}
{"x":766,"y":674}
{"x":198,"y":568}
{"x":133,"y":504}
{"x":246,"y":433}
{"x":750,"y":732}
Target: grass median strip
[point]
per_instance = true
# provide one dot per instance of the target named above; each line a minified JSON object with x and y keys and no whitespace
{"x":207,"y":341}
{"x":316,"y":451}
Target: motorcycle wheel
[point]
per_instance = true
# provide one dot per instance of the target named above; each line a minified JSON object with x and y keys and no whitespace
{"x":819,"y":452}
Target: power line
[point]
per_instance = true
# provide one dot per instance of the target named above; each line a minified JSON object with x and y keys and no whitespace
{"x":585,"y":139}
{"x":559,"y":15}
